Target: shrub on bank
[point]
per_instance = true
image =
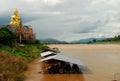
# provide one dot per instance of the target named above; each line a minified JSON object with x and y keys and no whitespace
{"x":11,"y":67}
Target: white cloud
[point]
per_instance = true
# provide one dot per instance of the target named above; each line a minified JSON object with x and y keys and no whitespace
{"x":31,"y":0}
{"x":48,"y":13}
{"x":51,"y":2}
{"x":114,"y":24}
{"x":116,"y":32}
{"x":67,"y":19}
{"x":101,"y":35}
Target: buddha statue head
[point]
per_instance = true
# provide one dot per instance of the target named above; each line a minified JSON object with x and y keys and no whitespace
{"x":15,"y":11}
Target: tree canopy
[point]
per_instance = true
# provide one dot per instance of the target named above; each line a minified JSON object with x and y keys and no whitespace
{"x":6,"y":36}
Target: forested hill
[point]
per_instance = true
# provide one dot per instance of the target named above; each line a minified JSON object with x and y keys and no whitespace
{"x":114,"y":40}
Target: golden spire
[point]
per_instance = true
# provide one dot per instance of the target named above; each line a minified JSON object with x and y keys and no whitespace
{"x":15,"y":19}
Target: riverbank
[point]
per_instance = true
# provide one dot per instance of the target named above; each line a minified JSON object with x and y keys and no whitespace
{"x":14,"y":61}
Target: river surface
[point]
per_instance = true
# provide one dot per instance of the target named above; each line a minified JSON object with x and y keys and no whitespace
{"x":101,"y":65}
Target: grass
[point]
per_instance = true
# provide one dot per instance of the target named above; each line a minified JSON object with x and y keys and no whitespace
{"x":14,"y":61}
{"x":29,"y":51}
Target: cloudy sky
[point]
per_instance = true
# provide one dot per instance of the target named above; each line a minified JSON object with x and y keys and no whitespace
{"x":66,"y":19}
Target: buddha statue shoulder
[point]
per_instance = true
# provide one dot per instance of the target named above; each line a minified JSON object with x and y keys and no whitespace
{"x":15,"y":19}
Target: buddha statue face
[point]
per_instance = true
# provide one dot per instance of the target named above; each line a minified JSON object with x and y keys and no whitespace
{"x":15,"y":12}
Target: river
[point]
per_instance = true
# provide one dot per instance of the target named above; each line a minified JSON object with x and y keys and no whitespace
{"x":102,"y":62}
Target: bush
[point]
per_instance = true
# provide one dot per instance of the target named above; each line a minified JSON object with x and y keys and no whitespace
{"x":19,"y":78}
{"x":11,"y":67}
{"x":6,"y":36}
{"x":1,"y":45}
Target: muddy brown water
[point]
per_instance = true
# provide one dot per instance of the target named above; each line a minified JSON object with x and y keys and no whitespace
{"x":102,"y":62}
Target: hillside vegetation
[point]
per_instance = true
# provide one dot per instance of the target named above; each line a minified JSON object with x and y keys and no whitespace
{"x":115,"y":40}
{"x":14,"y":59}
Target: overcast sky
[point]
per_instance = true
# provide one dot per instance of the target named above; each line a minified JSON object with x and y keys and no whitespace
{"x":66,"y":19}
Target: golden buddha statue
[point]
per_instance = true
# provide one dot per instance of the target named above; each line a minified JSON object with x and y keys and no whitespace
{"x":15,"y":19}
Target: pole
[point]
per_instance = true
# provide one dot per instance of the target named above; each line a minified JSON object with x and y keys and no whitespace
{"x":20,"y":38}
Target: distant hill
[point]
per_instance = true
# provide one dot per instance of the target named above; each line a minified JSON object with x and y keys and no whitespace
{"x":88,"y":40}
{"x":51,"y":40}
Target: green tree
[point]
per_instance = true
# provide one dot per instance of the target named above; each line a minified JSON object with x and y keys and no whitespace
{"x":118,"y":37}
{"x":6,"y":36}
{"x":94,"y":40}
